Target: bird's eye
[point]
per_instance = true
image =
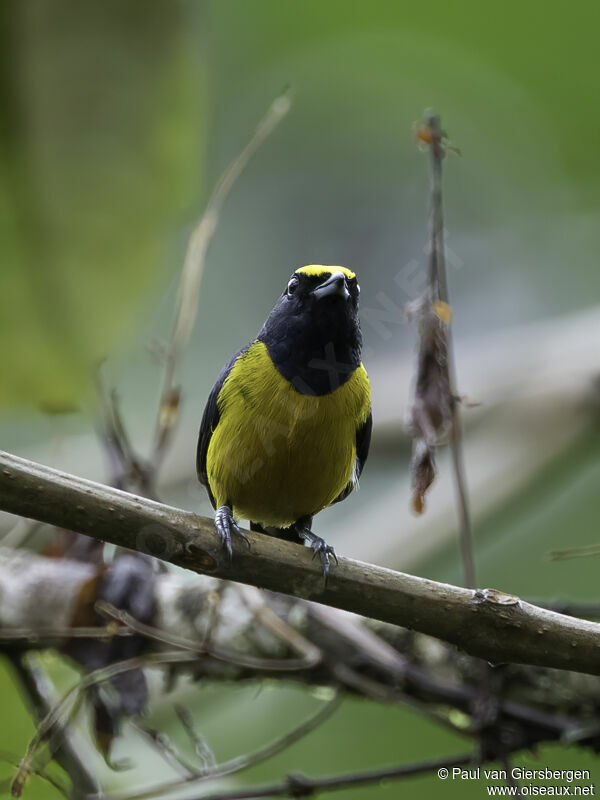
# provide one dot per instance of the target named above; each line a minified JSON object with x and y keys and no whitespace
{"x":292,"y":286}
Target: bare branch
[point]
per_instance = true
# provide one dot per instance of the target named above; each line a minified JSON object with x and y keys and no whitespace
{"x":486,"y":623}
{"x":239,"y":659}
{"x":435,"y":414}
{"x":53,"y":726}
{"x":300,"y":786}
{"x":521,"y":706}
{"x":243,"y":762}
{"x":51,"y":637}
{"x":193,"y":270}
{"x":165,"y":749}
{"x":69,"y":751}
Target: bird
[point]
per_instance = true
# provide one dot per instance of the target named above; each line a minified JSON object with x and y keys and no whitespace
{"x":286,"y":428}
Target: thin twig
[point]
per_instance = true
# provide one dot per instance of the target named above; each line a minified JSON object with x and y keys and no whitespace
{"x":386,"y":694}
{"x":301,"y":786}
{"x":239,"y":763}
{"x":254,"y":599}
{"x":166,"y":750}
{"x":439,"y":289}
{"x":231,"y":656}
{"x":68,"y":747}
{"x":201,"y":746}
{"x":363,"y":684}
{"x":127,"y":469}
{"x":193,"y":270}
{"x":53,"y":636}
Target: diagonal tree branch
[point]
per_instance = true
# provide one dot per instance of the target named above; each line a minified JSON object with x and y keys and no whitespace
{"x":487,"y":623}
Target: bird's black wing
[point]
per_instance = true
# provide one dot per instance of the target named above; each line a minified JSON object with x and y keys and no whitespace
{"x":363,"y":441}
{"x":210,"y":420}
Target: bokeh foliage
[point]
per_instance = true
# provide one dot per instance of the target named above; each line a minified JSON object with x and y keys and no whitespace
{"x":101,"y":137}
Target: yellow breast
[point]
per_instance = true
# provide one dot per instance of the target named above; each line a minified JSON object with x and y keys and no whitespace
{"x":277,"y":455}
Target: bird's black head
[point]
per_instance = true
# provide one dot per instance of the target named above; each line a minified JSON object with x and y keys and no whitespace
{"x":313,"y":333}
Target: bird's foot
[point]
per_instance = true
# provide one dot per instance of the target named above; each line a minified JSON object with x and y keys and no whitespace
{"x":320,"y":548}
{"x":226,"y":525}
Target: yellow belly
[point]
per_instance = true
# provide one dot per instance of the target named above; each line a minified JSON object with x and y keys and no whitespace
{"x":277,"y":455}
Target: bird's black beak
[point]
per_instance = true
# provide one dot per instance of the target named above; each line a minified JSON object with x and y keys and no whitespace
{"x":334,"y":285}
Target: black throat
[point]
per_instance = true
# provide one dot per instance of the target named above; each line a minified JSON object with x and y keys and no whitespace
{"x":316,"y":349}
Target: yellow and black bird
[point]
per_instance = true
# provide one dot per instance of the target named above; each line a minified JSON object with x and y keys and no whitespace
{"x":287,"y":426}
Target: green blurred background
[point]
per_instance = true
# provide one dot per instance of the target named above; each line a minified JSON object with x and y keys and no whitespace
{"x":117,"y":117}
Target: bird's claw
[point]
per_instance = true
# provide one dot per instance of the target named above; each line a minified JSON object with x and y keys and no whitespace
{"x":226,"y":525}
{"x":320,"y":548}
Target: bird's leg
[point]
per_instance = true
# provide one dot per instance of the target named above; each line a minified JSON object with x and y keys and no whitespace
{"x":225,"y":525}
{"x":319,"y":545}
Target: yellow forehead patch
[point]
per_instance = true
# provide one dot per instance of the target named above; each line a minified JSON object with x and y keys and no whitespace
{"x":313,"y":270}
